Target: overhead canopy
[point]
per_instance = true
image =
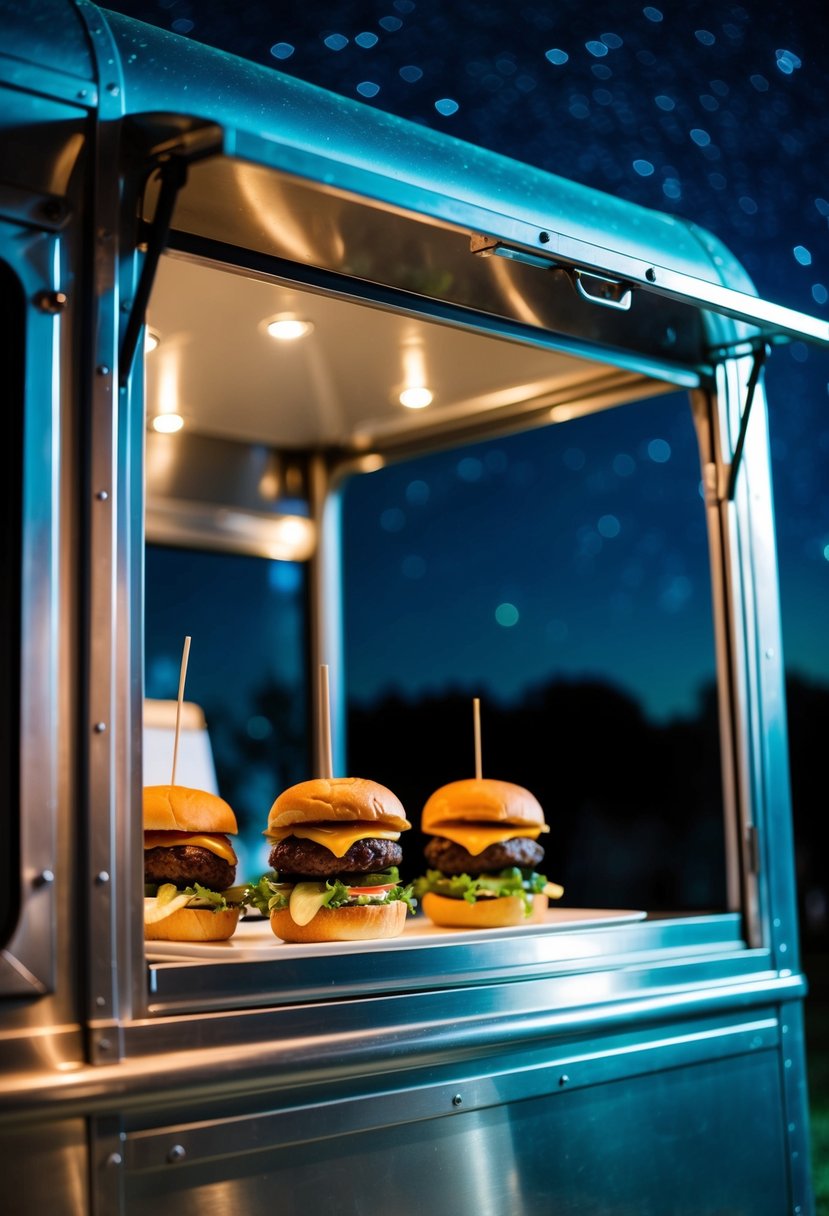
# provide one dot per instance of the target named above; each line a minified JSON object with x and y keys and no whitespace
{"x":270,"y":142}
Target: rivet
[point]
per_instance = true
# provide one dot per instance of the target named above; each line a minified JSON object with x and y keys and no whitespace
{"x":114,"y":1159}
{"x":457,"y":1100}
{"x":44,"y":878}
{"x":564,"y":1079}
{"x":769,"y":653}
{"x":102,"y":369}
{"x":81,"y":94}
{"x":102,"y":495}
{"x":544,"y":237}
{"x":102,"y":878}
{"x":100,"y":1001}
{"x":104,"y":1044}
{"x":650,"y":274}
{"x":176,"y":1153}
{"x":100,"y":728}
{"x":51,"y":302}
{"x":113,"y":90}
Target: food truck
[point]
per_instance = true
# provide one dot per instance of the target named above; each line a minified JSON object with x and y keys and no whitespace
{"x":651,"y":1061}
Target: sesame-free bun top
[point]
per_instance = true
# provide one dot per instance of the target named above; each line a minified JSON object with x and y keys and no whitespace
{"x":175,"y":808}
{"x":482,"y":800}
{"x":339,"y":799}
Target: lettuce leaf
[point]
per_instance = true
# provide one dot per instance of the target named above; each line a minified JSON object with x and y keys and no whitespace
{"x":269,"y":894}
{"x":512,"y":881}
{"x":197,"y":896}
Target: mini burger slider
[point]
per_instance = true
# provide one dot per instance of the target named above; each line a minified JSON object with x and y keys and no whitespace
{"x":485,"y":853}
{"x":335,"y":853}
{"x":189,"y":866}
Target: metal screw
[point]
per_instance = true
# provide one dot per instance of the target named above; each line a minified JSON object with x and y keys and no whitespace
{"x":104,"y":1044}
{"x":176,"y":1153}
{"x":102,"y":878}
{"x":650,"y":274}
{"x":81,"y":94}
{"x":53,"y":209}
{"x":102,"y":369}
{"x":544,"y":237}
{"x":100,"y":1001}
{"x":564,"y":1079}
{"x":100,"y":728}
{"x":102,"y":495}
{"x":770,"y":653}
{"x":114,"y":1159}
{"x":51,"y":302}
{"x":457,"y":1100}
{"x":113,"y":90}
{"x":44,"y":878}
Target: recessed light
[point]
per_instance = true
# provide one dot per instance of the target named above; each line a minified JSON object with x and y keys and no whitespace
{"x":168,"y":424}
{"x":416,"y":398}
{"x":288,"y":328}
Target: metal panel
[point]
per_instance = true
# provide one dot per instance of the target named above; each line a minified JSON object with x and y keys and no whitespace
{"x":714,"y":1142}
{"x":45,"y":1169}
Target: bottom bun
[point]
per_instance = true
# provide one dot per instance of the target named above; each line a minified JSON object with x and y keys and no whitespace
{"x":484,"y":913}
{"x":194,"y":925}
{"x":352,"y":923}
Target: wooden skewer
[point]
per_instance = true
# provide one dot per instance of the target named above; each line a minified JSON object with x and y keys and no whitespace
{"x":182,"y":677}
{"x":476,"y":718}
{"x":326,"y":758}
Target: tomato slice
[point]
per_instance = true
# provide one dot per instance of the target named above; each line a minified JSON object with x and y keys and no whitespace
{"x":377,"y":889}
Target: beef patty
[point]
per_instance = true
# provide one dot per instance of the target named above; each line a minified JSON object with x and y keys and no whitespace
{"x":451,"y":858}
{"x":184,"y":864}
{"x":295,"y":858}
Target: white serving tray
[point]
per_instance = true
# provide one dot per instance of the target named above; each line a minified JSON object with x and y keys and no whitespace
{"x":254,"y":939}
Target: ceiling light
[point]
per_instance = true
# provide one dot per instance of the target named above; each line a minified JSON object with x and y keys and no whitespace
{"x":416,"y":398}
{"x":288,"y":328}
{"x":151,"y":340}
{"x":168,"y":424}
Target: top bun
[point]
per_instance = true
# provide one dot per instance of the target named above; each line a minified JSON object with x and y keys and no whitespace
{"x":175,"y":808}
{"x":344,"y":799}
{"x":482,"y":800}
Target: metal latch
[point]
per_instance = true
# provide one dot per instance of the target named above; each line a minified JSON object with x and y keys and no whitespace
{"x":598,"y":290}
{"x":595,"y":288}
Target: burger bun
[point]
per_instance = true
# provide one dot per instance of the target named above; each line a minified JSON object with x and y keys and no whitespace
{"x":194,"y":925}
{"x":351,"y":923}
{"x":484,"y":913}
{"x":482,"y":800}
{"x":176,"y":808}
{"x":338,"y":799}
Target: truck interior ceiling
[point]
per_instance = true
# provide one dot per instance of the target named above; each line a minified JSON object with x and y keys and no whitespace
{"x":503,"y":533}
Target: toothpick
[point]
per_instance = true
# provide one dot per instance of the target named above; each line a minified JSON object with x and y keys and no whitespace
{"x":476,"y":718}
{"x":326,"y":758}
{"x":182,"y":677}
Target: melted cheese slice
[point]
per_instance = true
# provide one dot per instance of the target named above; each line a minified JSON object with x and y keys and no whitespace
{"x":213,"y":842}
{"x":336,"y":837}
{"x":476,"y":837}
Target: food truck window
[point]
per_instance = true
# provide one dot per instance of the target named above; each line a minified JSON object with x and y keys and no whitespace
{"x":12,"y":337}
{"x":562,"y":575}
{"x":247,"y":670}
